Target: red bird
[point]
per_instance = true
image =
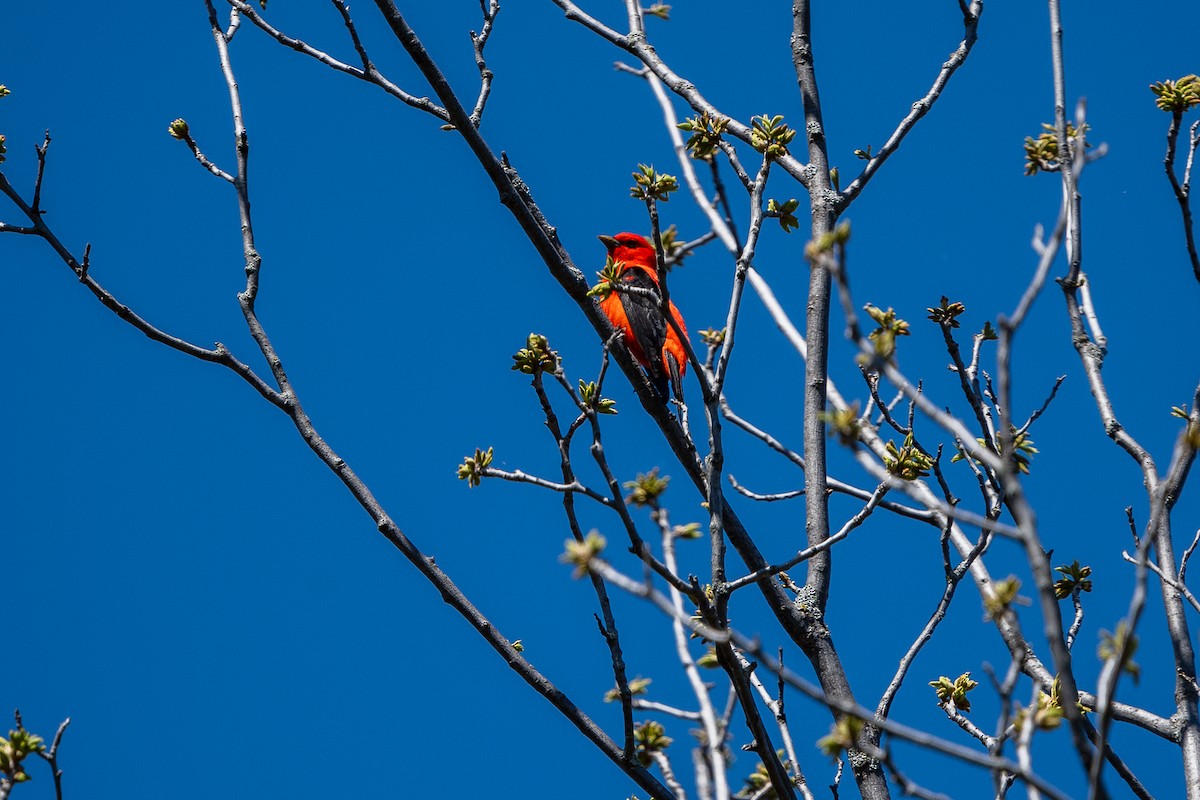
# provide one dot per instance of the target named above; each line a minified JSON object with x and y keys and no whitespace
{"x":650,"y":339}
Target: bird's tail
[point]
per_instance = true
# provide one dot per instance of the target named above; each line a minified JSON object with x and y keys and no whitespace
{"x":661,"y":385}
{"x":674,"y":372}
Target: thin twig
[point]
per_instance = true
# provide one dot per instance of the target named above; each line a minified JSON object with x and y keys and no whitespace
{"x":489,"y":8}
{"x":908,"y":787}
{"x":41,"y":174}
{"x":1021,"y":431}
{"x":664,"y":766}
{"x":51,"y":757}
{"x":836,"y":485}
{"x":900,"y":731}
{"x":1183,"y":190}
{"x":1174,"y":584}
{"x":204,"y":160}
{"x":821,"y":547}
{"x":661,"y":708}
{"x":607,"y":626}
{"x":1121,"y":768}
{"x":714,"y":740}
{"x":344,"y":10}
{"x":764,"y":498}
{"x":217,"y":355}
{"x":575,"y":487}
{"x":775,"y":704}
{"x":922,"y":106}
{"x":1077,"y":622}
{"x":636,"y":45}
{"x":1187,"y":555}
{"x":926,"y":634}
{"x":367,"y":73}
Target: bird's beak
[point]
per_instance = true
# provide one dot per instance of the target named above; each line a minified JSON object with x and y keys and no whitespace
{"x":609,"y":241}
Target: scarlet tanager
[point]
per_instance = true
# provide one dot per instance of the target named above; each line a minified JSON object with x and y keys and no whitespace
{"x":638,"y":315}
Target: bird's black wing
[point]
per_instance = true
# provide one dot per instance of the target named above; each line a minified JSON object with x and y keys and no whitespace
{"x":648,"y":324}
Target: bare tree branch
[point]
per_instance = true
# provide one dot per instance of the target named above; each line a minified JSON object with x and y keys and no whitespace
{"x":920,"y":108}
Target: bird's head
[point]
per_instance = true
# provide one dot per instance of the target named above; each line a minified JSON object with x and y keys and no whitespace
{"x":632,"y":249}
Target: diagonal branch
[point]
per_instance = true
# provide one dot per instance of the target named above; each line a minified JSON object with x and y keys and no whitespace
{"x":921,"y":107}
{"x":368,"y":72}
{"x":636,"y":45}
{"x":217,"y":355}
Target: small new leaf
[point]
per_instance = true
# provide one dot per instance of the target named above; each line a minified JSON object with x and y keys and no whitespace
{"x":1041,"y":154}
{"x":785,"y":214}
{"x":609,"y":277}
{"x":660,"y":10}
{"x":1191,"y":431}
{"x":646,"y":490}
{"x":826,"y":242}
{"x":1049,"y":712}
{"x":705,"y":131}
{"x":1004,"y":596}
{"x":758,"y":783}
{"x":988,"y":334}
{"x":1120,"y":644}
{"x":473,"y":467}
{"x":713,"y":337}
{"x":13,"y":750}
{"x":770,"y":135}
{"x":178,"y":128}
{"x":651,"y":185}
{"x":709,"y":659}
{"x":1023,"y":449}
{"x":1055,"y":697}
{"x":636,"y":686}
{"x":907,"y":462}
{"x":581,"y":553}
{"x":954,"y":692}
{"x":1178,"y":96}
{"x":845,"y":424}
{"x":1046,"y":717}
{"x":672,"y":247}
{"x":536,"y":357}
{"x":590,"y":394}
{"x":865,"y":155}
{"x":691,"y":530}
{"x":884,"y":337}
{"x":946,"y":313}
{"x":1075,"y":578}
{"x":650,"y":737}
{"x":842,"y":736}
{"x":698,"y":617}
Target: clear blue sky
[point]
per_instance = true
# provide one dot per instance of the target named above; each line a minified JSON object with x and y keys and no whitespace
{"x":190,"y":585}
